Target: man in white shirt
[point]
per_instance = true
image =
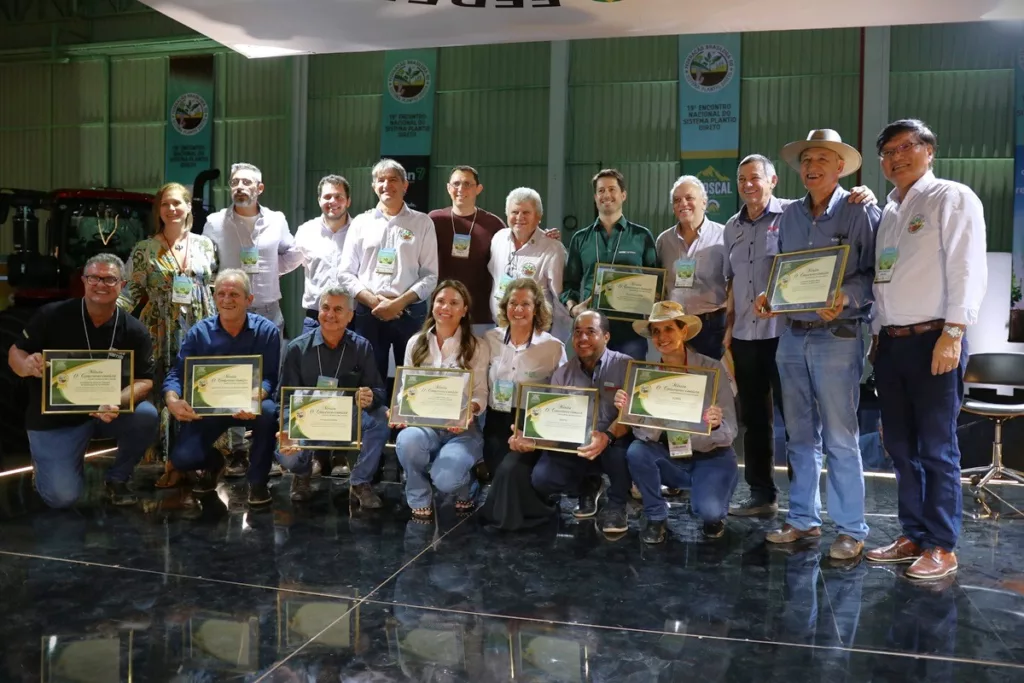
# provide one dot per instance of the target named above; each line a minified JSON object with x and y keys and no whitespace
{"x":255,"y":239}
{"x":321,"y":241}
{"x":389,"y":265}
{"x":930,"y":278}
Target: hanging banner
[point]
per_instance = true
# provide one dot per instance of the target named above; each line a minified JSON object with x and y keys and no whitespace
{"x":1017,"y":267}
{"x":709,"y":116}
{"x":407,"y":118}
{"x":189,"y":145}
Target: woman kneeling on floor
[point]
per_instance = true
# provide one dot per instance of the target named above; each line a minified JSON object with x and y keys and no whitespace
{"x":705,"y":464}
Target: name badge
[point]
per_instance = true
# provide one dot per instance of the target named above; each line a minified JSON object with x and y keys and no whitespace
{"x":323,"y":382}
{"x":503,"y":284}
{"x":181,"y":290}
{"x":250,"y":258}
{"x":679,"y":445}
{"x":886,"y":264}
{"x":386,"y":259}
{"x":460,"y":246}
{"x":686,"y":269}
{"x":503,"y":391}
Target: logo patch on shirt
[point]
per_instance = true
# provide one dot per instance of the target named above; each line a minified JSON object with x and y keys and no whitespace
{"x":529,"y":269}
{"x":915,"y":224}
{"x":405,"y":235}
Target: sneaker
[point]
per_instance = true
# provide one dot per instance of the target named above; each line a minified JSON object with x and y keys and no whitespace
{"x":714,"y":529}
{"x":276,"y":470}
{"x":753,"y":507}
{"x":613,"y":520}
{"x":654,"y":532}
{"x":318,"y":469}
{"x":119,"y":494}
{"x":365,"y":496}
{"x":586,"y":506}
{"x":259,"y":494}
{"x":238,"y":465}
{"x":301,"y":489}
{"x":340,"y":471}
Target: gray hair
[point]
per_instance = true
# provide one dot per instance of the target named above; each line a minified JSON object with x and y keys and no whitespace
{"x":385,"y":165}
{"x":242,"y":166}
{"x":683,"y":180}
{"x":234,"y":274}
{"x":108,"y":259}
{"x":337,"y":291}
{"x":524,"y":194}
{"x":767,"y":167}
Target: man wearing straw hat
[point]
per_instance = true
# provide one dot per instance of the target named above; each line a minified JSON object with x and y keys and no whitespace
{"x":704,"y":463}
{"x":821,"y":353}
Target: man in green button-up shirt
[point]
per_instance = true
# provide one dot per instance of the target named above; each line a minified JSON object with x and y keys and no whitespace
{"x":610,"y":239}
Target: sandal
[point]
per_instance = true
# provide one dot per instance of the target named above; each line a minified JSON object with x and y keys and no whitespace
{"x":423,"y":513}
{"x":464,"y":506}
{"x":171,"y":478}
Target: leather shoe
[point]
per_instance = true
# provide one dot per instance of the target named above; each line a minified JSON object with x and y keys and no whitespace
{"x":789,"y":533}
{"x":934,"y":563}
{"x":845,"y":548}
{"x":900,"y":550}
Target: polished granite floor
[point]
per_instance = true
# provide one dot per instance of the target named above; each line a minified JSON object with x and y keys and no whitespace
{"x":316,"y":592}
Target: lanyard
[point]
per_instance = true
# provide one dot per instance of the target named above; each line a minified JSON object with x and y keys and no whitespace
{"x":117,"y":315}
{"x":501,"y":372}
{"x":182,"y":266}
{"x":234,"y":226}
{"x":615,"y":253}
{"x":473,"y":225}
{"x":510,"y":264}
{"x":337,"y":369}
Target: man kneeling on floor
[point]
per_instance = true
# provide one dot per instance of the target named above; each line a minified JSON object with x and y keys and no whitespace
{"x":58,"y":442}
{"x":334,"y":356}
{"x":234,"y":331}
{"x":705,"y":464}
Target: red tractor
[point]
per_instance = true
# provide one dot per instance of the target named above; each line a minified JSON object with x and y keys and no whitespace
{"x":46,"y":267}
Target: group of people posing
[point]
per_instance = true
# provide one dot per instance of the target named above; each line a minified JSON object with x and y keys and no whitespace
{"x":456,"y":288}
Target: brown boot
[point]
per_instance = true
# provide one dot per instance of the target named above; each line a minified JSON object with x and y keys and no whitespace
{"x":366,"y":497}
{"x":789,"y":534}
{"x":900,"y":550}
{"x":934,"y":563}
{"x":845,"y":548}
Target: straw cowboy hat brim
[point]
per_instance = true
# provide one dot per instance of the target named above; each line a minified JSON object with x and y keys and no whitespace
{"x":668,"y":310}
{"x":827,"y":139}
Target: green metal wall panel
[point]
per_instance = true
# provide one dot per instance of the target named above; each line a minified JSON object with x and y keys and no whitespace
{"x":783,"y":54}
{"x":80,"y":93}
{"x":624,"y":60}
{"x":951,"y":47}
{"x":494,"y":67}
{"x":992,"y":181}
{"x":138,"y":103}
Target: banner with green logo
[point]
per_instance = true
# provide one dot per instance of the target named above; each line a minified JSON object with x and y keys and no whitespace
{"x":189,"y":143}
{"x":709,"y":116}
{"x":407,"y":118}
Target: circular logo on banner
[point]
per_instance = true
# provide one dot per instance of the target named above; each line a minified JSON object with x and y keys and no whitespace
{"x":189,"y":113}
{"x":409,"y":81}
{"x":709,"y":68}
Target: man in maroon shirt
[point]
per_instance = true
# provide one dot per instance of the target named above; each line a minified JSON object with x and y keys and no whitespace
{"x":464,"y":233}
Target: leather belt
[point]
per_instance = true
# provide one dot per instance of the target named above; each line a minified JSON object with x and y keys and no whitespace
{"x":819,"y":324}
{"x":909,"y":330}
{"x":312,"y":313}
{"x":711,"y":314}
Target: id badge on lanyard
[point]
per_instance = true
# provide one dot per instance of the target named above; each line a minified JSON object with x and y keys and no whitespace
{"x":504,"y":389}
{"x":181,"y":290}
{"x":460,"y":245}
{"x":886,"y":264}
{"x":386,"y":259}
{"x":250,"y":258}
{"x":679,"y":445}
{"x":686,"y":270}
{"x":323,"y":382}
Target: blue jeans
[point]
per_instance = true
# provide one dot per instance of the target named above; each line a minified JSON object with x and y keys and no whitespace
{"x":710,"y":341}
{"x":375,"y":434}
{"x":442,"y":457}
{"x":820,"y":376}
{"x":309,"y":324}
{"x":194,"y":449}
{"x":564,"y":472}
{"x":389,"y":336}
{"x":58,"y":455}
{"x":712,"y":478}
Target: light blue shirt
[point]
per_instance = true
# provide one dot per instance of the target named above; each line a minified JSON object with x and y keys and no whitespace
{"x":842,"y":223}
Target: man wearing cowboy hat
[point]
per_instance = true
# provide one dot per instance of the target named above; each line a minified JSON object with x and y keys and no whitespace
{"x":705,"y":464}
{"x":821,"y":354}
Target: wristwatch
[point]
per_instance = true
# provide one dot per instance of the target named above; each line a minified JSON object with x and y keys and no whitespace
{"x":953,"y":331}
{"x":611,"y":437}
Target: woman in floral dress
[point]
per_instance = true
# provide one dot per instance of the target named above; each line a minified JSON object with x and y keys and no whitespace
{"x":172,"y":271}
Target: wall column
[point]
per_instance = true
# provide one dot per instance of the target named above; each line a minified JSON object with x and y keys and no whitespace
{"x":874,"y":106}
{"x":558,"y":111}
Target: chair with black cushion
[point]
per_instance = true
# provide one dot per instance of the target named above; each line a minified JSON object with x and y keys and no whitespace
{"x":994,"y":369}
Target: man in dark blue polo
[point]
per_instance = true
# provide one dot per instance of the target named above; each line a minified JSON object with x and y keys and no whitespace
{"x":821,"y":353}
{"x":334,"y":356}
{"x":234,"y":331}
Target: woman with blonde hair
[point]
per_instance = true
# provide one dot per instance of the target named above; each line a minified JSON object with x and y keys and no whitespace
{"x":522,"y":352}
{"x":172,"y":272}
{"x":444,"y":457}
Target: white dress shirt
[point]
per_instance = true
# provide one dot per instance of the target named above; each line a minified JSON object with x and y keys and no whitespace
{"x":541,"y":259}
{"x":447,"y":356}
{"x":531,"y":363}
{"x":708,"y":290}
{"x":410,"y":234}
{"x":269,"y":233}
{"x":941,"y":271}
{"x":321,"y":255}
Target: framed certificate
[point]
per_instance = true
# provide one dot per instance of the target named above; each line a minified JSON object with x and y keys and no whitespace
{"x":546,"y":654}
{"x":222,"y":642}
{"x":86,"y":381}
{"x":558,"y":418}
{"x":432,"y":397}
{"x":806,"y":280}
{"x":321,"y":419}
{"x":223,"y":385}
{"x":669,"y":397}
{"x":106,"y":658}
{"x":432,"y":641}
{"x":627,"y":292}
{"x":322,"y":624}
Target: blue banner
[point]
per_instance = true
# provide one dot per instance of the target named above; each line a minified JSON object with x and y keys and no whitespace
{"x":1017,"y":268}
{"x":407,"y":123}
{"x":709,"y":115}
{"x":189,"y":145}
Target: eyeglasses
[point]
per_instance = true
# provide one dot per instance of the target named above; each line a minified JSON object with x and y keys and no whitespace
{"x":109,"y":281}
{"x":899,"y":149}
{"x":244,"y":182}
{"x":463,"y":184}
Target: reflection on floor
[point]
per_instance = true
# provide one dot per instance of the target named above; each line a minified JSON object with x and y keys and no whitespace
{"x":318,"y":593}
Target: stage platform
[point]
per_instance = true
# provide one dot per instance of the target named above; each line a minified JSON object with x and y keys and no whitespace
{"x":316,"y":592}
